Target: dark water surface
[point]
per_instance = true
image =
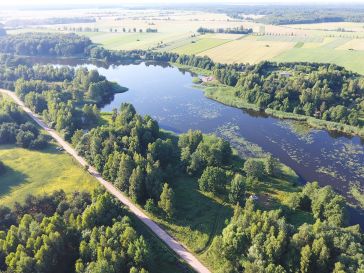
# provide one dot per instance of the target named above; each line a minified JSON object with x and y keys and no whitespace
{"x":167,"y":94}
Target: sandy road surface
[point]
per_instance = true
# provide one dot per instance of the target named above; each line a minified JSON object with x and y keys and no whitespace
{"x":163,"y":235}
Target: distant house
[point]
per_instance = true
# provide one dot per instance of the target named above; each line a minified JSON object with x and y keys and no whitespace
{"x":285,"y":74}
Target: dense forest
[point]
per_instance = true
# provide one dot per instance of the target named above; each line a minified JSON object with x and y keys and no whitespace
{"x":292,"y":14}
{"x":15,"y":127}
{"x":81,"y":233}
{"x":311,"y":16}
{"x":327,"y":92}
{"x":263,"y":241}
{"x":44,"y":44}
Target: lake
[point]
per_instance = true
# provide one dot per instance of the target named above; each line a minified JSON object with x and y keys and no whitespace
{"x":168,"y":95}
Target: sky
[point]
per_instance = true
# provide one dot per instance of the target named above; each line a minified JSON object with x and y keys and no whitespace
{"x":105,"y":2}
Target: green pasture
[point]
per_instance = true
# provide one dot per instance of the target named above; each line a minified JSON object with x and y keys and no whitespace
{"x":39,"y":172}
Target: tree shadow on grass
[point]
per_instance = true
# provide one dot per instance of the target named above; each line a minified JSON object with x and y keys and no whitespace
{"x":9,"y":179}
{"x":50,"y":148}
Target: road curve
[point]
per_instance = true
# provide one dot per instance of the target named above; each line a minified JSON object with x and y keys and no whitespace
{"x":163,"y":235}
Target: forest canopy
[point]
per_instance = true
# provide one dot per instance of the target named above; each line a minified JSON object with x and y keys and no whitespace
{"x":80,"y":233}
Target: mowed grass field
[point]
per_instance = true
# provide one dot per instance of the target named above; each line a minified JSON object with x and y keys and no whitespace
{"x":247,"y":50}
{"x":39,"y":172}
{"x":350,"y":59}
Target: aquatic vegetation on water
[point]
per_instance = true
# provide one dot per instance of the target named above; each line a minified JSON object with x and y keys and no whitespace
{"x":245,"y":149}
{"x":299,"y":128}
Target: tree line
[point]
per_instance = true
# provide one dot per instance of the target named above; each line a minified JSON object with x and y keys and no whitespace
{"x":234,"y":30}
{"x":324,"y":91}
{"x":45,"y":44}
{"x":281,"y":14}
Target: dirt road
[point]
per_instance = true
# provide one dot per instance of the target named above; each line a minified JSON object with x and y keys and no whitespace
{"x":163,"y":235}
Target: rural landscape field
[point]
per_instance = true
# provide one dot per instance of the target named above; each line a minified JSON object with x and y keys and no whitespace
{"x":118,"y":29}
{"x":181,"y":137}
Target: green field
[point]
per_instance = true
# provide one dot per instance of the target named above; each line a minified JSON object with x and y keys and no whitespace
{"x":39,"y":172}
{"x":352,"y":60}
{"x":199,"y":46}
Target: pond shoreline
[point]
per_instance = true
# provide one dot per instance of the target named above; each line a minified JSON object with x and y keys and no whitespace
{"x":313,"y":122}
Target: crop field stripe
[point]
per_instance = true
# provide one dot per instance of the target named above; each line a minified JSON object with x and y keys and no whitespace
{"x":336,"y":43}
{"x":207,"y":44}
{"x":289,"y":38}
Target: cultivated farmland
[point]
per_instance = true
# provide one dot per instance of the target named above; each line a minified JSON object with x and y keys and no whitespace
{"x":121,"y":29}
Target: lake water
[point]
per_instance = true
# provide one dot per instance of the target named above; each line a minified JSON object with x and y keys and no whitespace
{"x":168,"y":95}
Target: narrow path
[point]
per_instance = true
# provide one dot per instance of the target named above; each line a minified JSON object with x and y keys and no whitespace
{"x":211,"y":235}
{"x":163,"y":235}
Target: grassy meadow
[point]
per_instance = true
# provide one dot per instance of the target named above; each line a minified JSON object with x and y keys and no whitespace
{"x":39,"y":172}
